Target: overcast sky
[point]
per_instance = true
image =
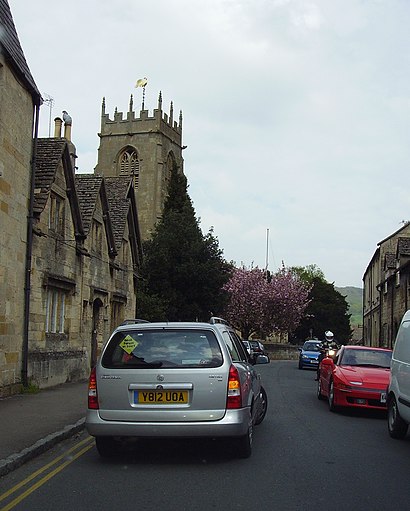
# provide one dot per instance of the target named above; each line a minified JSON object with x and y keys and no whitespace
{"x":296,"y":113}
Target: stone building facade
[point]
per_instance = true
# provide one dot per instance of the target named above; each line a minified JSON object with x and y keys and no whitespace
{"x":86,"y":255}
{"x":71,"y":245}
{"x":19,"y":106}
{"x":145,"y":147}
{"x":386,"y":288}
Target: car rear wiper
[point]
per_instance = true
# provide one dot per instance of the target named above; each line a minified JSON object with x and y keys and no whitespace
{"x":143,"y":364}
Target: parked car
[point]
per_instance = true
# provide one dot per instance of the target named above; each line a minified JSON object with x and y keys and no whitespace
{"x":174,"y":380}
{"x":309,"y":354}
{"x":358,"y":377}
{"x":247,"y":345}
{"x":398,"y":394}
{"x":258,"y":348}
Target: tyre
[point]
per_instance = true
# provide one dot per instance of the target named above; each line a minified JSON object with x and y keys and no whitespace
{"x":107,"y":446}
{"x":331,"y":398}
{"x":263,"y":407}
{"x":300,"y":365}
{"x":319,"y":390}
{"x":396,"y":426}
{"x":243,"y":444}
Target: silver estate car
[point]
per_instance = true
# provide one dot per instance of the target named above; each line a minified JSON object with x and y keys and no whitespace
{"x":175,"y":380}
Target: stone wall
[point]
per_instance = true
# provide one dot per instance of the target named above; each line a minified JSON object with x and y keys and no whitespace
{"x":16,"y":121}
{"x":282,"y":351}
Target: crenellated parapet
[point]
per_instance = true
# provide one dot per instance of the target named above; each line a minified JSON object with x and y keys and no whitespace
{"x":141,"y":122}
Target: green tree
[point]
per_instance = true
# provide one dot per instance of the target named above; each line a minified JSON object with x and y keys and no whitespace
{"x":327,"y":310}
{"x":308,"y":273}
{"x":183,"y":271}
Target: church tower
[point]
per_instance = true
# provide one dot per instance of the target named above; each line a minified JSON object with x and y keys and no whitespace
{"x":146,"y":148}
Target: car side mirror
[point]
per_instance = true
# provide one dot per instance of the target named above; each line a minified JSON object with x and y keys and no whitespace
{"x":262,"y":359}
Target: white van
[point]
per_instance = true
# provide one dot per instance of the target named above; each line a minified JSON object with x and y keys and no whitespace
{"x":398,"y":398}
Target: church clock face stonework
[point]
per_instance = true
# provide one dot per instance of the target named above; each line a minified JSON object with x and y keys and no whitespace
{"x":146,"y":148}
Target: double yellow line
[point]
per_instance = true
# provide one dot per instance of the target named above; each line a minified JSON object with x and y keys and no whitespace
{"x":84,"y":446}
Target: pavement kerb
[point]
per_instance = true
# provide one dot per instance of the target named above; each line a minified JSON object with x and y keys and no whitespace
{"x":16,"y":460}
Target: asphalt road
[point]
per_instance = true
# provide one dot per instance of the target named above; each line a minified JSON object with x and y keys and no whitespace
{"x":304,"y":458}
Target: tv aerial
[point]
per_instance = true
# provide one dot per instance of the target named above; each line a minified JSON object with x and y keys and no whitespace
{"x":50,"y":102}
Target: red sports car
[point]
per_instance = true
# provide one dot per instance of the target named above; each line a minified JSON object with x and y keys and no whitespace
{"x":357,"y":377}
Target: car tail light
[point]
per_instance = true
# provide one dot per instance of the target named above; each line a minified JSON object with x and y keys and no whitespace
{"x":92,"y":391}
{"x":234,"y":399}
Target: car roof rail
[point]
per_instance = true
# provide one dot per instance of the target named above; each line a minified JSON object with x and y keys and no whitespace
{"x":133,"y":321}
{"x":215,"y":319}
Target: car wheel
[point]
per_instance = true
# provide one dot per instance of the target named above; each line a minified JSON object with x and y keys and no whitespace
{"x":243,"y":444}
{"x":300,"y":365}
{"x":107,"y":446}
{"x":263,"y":398}
{"x":396,"y":425}
{"x":319,"y":390}
{"x":331,"y":398}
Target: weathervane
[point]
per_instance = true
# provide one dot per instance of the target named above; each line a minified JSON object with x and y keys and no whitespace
{"x":142,"y":82}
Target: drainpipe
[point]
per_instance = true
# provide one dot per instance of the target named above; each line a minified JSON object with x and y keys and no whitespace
{"x":29,"y":251}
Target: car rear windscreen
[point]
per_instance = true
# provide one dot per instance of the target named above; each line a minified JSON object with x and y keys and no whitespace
{"x":162,"y":348}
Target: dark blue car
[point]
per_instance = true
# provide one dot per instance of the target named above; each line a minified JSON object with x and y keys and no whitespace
{"x":309,"y":354}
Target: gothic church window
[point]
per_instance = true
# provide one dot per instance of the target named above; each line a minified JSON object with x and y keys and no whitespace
{"x":130,"y":165}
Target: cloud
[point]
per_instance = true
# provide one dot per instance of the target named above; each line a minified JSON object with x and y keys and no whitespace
{"x":296,"y":112}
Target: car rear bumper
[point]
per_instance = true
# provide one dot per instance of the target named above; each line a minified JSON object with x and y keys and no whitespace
{"x":234,"y":423}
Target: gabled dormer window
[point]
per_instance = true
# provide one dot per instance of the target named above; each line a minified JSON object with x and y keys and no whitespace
{"x":56,"y":214}
{"x":96,"y":239}
{"x":129,"y":165}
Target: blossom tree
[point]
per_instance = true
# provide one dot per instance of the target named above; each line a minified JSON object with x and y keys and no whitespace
{"x":262,"y":303}
{"x":288,"y":300}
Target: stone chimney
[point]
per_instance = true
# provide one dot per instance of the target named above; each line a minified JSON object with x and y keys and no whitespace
{"x":67,"y":125}
{"x":67,"y":131}
{"x":58,"y":123}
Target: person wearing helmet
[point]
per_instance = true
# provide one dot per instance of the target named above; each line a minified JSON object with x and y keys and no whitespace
{"x":328,"y":342}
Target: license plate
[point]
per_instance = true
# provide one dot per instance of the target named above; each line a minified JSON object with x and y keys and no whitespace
{"x":383,"y":397}
{"x":161,"y":397}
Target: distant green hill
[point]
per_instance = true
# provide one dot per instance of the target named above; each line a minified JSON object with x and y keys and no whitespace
{"x":354,"y":297}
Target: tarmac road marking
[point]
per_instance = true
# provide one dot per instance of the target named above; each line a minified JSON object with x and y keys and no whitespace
{"x":89,"y":444}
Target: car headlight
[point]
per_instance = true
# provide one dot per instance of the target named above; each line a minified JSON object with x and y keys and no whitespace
{"x":305,"y":356}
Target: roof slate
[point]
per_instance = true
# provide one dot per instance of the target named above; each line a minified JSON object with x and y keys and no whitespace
{"x":9,"y":41}
{"x":117,"y":193}
{"x":88,"y":188}
{"x":48,"y":156}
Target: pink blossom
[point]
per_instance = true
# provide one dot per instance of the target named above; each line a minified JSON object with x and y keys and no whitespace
{"x":263,"y":303}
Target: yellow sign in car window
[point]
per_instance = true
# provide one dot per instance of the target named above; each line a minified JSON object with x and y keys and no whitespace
{"x":128,"y":344}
